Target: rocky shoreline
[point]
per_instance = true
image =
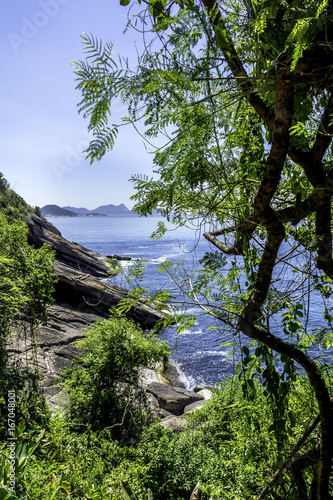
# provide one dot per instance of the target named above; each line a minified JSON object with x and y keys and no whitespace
{"x":81,"y":298}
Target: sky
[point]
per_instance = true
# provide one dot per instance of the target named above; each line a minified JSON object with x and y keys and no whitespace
{"x":42,"y":135}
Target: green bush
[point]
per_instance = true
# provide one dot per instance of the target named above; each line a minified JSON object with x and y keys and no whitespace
{"x":82,"y":459}
{"x":227,"y":445}
{"x":26,"y":286}
{"x":103,"y":382}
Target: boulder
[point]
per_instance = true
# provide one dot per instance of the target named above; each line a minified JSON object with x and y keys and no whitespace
{"x":118,"y":257}
{"x":194,"y":406}
{"x":173,"y":423}
{"x":154,"y":407}
{"x":87,"y":293}
{"x":205,"y":393}
{"x":172,"y":399}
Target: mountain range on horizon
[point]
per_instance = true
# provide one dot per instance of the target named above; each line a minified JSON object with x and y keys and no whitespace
{"x":103,"y":209}
{"x":68,"y":211}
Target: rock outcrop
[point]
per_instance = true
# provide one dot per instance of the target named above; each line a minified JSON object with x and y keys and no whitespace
{"x":78,"y":270}
{"x":52,"y":347}
{"x":82,"y":297}
{"x":172,"y":404}
{"x":87,"y":293}
{"x":69,"y":253}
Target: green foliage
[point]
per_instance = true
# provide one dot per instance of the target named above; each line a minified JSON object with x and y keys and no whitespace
{"x":129,"y":495}
{"x":25,"y":445}
{"x":114,"y":265}
{"x":227,"y":445}
{"x":26,"y":286}
{"x":103,"y":382}
{"x":11,"y":204}
{"x":304,"y":29}
{"x":26,"y":274}
{"x":241,"y":96}
{"x":78,"y":461}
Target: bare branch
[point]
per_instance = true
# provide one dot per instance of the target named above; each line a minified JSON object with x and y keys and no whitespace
{"x":290,"y":457}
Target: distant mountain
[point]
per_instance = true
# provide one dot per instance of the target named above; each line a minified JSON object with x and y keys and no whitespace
{"x":113,"y":210}
{"x":80,"y":211}
{"x":55,"y":211}
{"x":102,"y":210}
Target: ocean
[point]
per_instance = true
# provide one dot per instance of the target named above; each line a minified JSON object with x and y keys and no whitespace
{"x":198,"y":354}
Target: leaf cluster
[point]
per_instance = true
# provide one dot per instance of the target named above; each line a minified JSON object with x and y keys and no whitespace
{"x":103,"y":381}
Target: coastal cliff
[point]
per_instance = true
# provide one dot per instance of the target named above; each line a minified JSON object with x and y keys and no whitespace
{"x":81,"y":297}
{"x":79,"y":272}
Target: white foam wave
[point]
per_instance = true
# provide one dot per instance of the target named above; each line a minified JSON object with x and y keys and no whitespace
{"x":210,"y":353}
{"x":193,"y":310}
{"x":159,"y":260}
{"x":163,"y":258}
{"x":192,"y":332}
{"x":186,"y":380}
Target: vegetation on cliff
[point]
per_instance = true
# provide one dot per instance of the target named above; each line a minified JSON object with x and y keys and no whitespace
{"x":26,"y":286}
{"x":12,"y":204}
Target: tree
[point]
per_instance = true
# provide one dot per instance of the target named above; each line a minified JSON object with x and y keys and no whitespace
{"x":242,"y":93}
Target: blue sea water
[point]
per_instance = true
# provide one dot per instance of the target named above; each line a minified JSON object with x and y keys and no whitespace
{"x":198,"y":354}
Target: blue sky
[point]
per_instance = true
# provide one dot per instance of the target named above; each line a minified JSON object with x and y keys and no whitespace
{"x":41,"y":134}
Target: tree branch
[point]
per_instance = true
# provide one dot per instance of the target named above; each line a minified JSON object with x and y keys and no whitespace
{"x":324,"y":134}
{"x":224,"y":42}
{"x":290,"y":457}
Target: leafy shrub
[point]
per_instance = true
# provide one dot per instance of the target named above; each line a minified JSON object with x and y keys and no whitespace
{"x":26,"y":286}
{"x":103,"y":382}
{"x":82,"y":459}
{"x":227,"y":445}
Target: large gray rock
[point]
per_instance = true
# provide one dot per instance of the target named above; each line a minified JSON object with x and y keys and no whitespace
{"x":172,"y":399}
{"x":77,"y":270}
{"x":86,"y":293}
{"x":194,"y":406}
{"x":72,"y":254}
{"x":205,"y":393}
{"x":53,"y":344}
{"x":174,"y":423}
{"x":154,"y":407}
